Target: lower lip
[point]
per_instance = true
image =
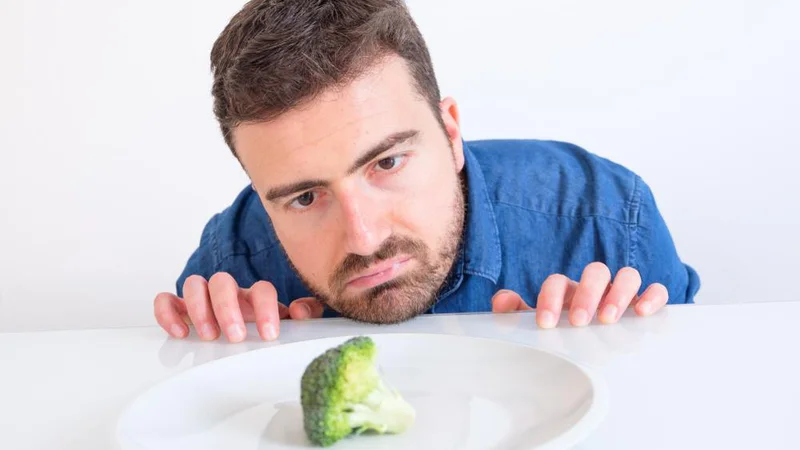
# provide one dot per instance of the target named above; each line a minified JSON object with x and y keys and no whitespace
{"x":380,"y":277}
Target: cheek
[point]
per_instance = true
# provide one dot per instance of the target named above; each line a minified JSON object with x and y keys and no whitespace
{"x":309,"y":253}
{"x":427,"y":208}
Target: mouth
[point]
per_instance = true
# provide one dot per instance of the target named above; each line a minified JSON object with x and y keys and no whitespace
{"x":379,"y":273}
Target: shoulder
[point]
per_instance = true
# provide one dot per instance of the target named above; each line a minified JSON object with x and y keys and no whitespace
{"x":556,"y":178}
{"x":558,"y":199}
{"x":242,"y":228}
{"x":230,"y":241}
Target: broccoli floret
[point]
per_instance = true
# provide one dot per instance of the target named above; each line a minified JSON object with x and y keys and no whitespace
{"x":342,"y":393}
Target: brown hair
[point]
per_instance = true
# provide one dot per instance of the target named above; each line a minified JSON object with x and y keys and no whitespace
{"x":275,"y":54}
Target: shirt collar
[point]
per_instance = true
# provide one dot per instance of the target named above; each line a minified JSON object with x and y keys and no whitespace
{"x":480,"y":252}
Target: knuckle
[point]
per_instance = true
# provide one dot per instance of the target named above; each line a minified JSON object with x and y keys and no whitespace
{"x":580,"y":301}
{"x":630,"y":273}
{"x":662,"y":288}
{"x":557,"y":278}
{"x":266,"y":291}
{"x":162,"y":305}
{"x":161,"y":299}
{"x":553,"y":289}
{"x":223,"y":310}
{"x":500,"y":294}
{"x":617,"y":299}
{"x":197,"y":307}
{"x":310,"y":302}
{"x":192,"y":282}
{"x":221,"y":279}
{"x":160,"y":314}
{"x":599,"y":268}
{"x":198,"y":311}
{"x":222,"y":289}
{"x":219,"y":301}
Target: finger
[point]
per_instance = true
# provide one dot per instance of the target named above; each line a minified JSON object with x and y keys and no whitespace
{"x":653,"y":298}
{"x":306,"y":308}
{"x":623,"y":291}
{"x":225,"y":302}
{"x":506,"y":300}
{"x":590,"y":290}
{"x":198,"y":305}
{"x":557,"y":291}
{"x":264,"y":299}
{"x":168,"y":309}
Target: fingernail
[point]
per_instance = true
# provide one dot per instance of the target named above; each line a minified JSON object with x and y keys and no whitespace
{"x":645,"y":308}
{"x":609,"y":313}
{"x":236,"y":332}
{"x":268,"y":330}
{"x":177,"y":330}
{"x":547,"y":319}
{"x":306,"y":310}
{"x":206,"y":331}
{"x":580,"y":317}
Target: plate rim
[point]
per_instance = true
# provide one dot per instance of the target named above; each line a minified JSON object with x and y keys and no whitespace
{"x":575,"y":434}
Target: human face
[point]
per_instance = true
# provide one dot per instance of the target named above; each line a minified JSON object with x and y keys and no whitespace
{"x":362,"y":185}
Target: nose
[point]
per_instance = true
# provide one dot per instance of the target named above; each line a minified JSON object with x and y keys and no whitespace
{"x":364,"y":221}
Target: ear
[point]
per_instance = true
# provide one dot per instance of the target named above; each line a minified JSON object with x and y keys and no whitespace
{"x":450,"y":117}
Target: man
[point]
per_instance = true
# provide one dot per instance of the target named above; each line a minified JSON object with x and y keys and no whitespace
{"x":367,"y":203}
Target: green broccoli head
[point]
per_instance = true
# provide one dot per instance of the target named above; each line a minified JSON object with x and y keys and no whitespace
{"x":342,"y":393}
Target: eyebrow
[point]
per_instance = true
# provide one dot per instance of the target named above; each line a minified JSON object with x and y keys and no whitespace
{"x":389,"y":142}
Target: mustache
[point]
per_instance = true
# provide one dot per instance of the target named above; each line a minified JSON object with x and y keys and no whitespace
{"x":391,"y":247}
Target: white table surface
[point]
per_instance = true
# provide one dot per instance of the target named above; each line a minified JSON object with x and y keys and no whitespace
{"x":690,"y":377}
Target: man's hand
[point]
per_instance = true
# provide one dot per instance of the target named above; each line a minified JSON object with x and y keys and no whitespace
{"x":595,"y":293}
{"x":220,"y":304}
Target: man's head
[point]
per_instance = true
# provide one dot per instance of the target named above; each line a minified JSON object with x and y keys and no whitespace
{"x":333,"y":110}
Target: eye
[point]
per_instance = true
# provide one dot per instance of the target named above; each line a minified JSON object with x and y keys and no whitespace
{"x":303,"y":201}
{"x":390,"y":163}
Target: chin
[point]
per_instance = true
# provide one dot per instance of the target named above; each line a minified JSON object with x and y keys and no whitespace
{"x":389,"y":303}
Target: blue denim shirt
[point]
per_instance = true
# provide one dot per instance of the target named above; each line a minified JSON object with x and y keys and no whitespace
{"x":534,"y":208}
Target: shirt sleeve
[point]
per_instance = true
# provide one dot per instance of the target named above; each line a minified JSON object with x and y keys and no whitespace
{"x":204,"y":260}
{"x":653,"y":252}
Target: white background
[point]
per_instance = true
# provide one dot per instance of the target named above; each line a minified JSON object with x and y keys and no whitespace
{"x":111,"y":161}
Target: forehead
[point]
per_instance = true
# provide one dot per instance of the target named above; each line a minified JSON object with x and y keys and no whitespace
{"x":338,"y":124}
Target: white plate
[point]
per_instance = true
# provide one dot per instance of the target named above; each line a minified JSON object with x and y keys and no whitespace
{"x":469,"y":393}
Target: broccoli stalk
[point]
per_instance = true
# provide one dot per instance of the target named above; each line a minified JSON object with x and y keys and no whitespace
{"x":342,"y":393}
{"x":383,"y":411}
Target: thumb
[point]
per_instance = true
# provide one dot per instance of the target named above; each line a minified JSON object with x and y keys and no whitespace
{"x":508,"y":301}
{"x":306,"y":308}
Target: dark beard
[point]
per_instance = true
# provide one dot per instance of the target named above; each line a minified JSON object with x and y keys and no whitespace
{"x":404,"y":297}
